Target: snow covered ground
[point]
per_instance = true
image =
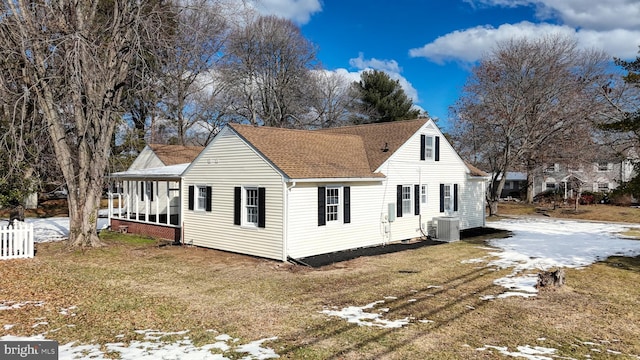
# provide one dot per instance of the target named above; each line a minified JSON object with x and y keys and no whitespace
{"x":544,"y":244}
{"x":536,"y":244}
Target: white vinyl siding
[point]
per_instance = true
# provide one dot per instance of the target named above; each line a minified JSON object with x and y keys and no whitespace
{"x":225,"y":164}
{"x":306,"y":238}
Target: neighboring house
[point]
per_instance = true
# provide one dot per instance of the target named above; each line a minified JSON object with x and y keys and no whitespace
{"x":280,"y":194}
{"x":515,"y":185}
{"x":602,"y":176}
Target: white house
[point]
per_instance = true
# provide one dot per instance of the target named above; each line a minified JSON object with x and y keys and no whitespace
{"x":280,"y":193}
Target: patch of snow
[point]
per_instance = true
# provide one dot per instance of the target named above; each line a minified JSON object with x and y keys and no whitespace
{"x":153,"y":349}
{"x":13,"y":305}
{"x":8,"y":326}
{"x":527,"y":352}
{"x":55,"y":228}
{"x":358,"y":315}
{"x":543,"y":244}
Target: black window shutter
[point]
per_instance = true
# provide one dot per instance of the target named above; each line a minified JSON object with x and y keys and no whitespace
{"x":141,"y":190}
{"x":416,"y":199}
{"x":261,"y":207}
{"x":237,"y":196}
{"x":437,"y":156}
{"x":423,"y":145}
{"x":455,"y":197}
{"x":208,"y":200}
{"x":322,"y":219}
{"x":441,"y":197}
{"x":399,"y":201}
{"x":150,"y":191}
{"x":191,"y":195}
{"x":347,"y":204}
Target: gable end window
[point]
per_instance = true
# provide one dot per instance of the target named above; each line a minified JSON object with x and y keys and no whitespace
{"x":334,"y":205}
{"x":200,"y":198}
{"x":429,"y":147}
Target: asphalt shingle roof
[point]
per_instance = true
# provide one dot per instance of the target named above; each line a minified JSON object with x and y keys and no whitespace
{"x":376,"y":137}
{"x":311,"y":154}
{"x":176,"y":154}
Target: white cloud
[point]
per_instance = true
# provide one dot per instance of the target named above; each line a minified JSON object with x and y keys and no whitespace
{"x":298,"y":11}
{"x":584,"y":14}
{"x":471,"y":44}
{"x":389,"y":66}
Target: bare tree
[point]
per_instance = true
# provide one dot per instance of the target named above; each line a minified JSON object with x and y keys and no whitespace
{"x":329,"y":107}
{"x":267,"y":67}
{"x":77,"y":57}
{"x":529,"y":101}
{"x":187,"y":76}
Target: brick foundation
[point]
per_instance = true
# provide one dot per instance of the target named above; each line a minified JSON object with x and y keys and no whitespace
{"x":153,"y":230}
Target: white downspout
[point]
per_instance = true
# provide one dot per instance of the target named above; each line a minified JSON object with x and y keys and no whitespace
{"x":285,"y":222}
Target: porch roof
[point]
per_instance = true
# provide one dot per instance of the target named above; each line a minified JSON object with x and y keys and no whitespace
{"x":171,"y":172}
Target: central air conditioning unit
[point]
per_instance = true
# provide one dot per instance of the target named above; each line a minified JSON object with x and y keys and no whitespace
{"x":447,"y":228}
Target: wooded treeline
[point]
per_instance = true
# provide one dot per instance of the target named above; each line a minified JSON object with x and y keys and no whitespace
{"x":84,"y":85}
{"x":534,"y":102}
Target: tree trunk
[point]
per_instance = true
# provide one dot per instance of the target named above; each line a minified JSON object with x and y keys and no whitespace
{"x":493,"y":207}
{"x":530,"y":187}
{"x":83,"y":217}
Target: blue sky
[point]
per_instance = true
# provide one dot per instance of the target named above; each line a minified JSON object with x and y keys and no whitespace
{"x":429,"y":45}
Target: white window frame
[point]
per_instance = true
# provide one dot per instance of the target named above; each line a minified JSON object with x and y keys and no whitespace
{"x":424,"y":194}
{"x":602,"y":166}
{"x":429,"y":147}
{"x":603,"y":187}
{"x":250,"y":210}
{"x":448,"y":198}
{"x":200,"y":201}
{"x":406,"y":199}
{"x":333,"y":204}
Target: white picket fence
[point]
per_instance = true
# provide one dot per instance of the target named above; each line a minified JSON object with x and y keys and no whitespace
{"x":16,"y":241}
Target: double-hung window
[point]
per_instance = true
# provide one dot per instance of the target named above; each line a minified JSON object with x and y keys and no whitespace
{"x":406,"y":199}
{"x":251,"y":206}
{"x":428,"y":148}
{"x":333,"y":204}
{"x":447,"y":197}
{"x":423,"y":194}
{"x":199,"y":197}
{"x":201,"y":203}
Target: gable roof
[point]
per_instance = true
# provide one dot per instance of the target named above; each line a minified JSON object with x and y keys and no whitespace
{"x":175,"y":154}
{"x":310,"y":154}
{"x":389,"y":135}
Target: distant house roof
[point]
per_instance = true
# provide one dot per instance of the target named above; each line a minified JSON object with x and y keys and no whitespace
{"x":376,"y":137}
{"x":310,"y":154}
{"x":164,"y":172}
{"x":175,"y":154}
{"x":474,"y":171}
{"x":515,"y":176}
